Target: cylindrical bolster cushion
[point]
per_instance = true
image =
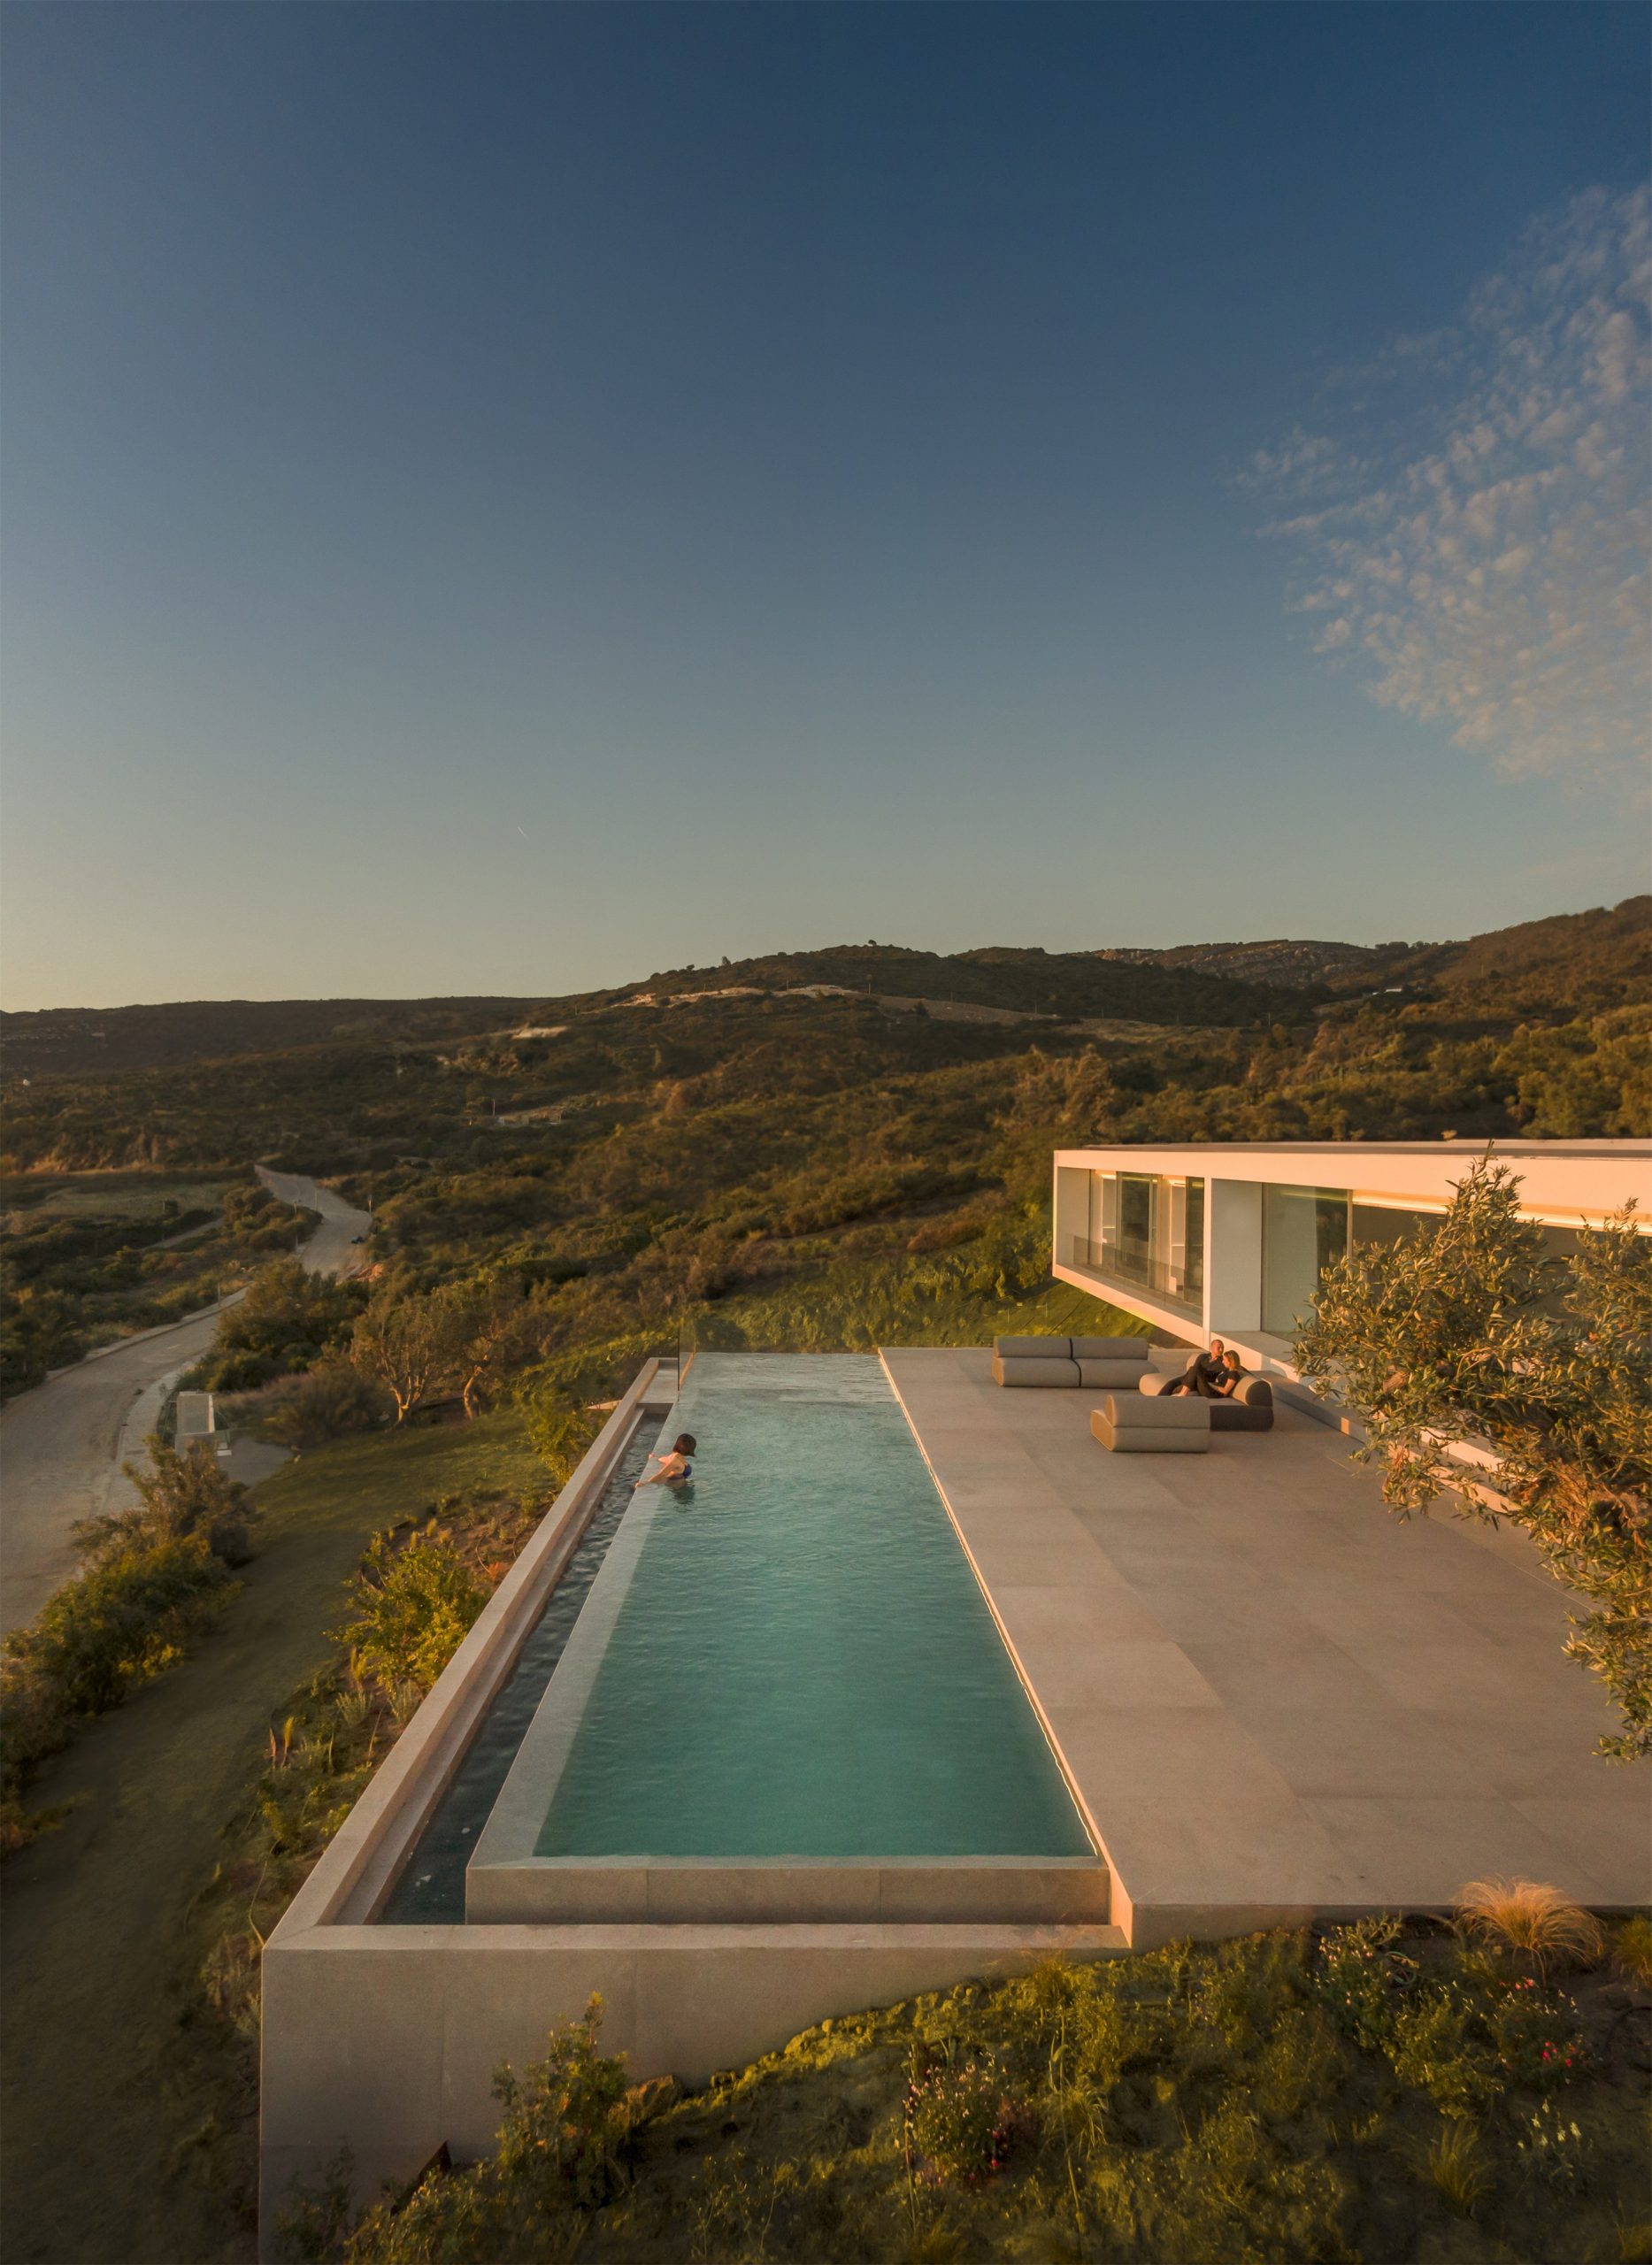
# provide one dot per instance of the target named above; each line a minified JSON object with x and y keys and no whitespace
{"x":1256,"y":1392}
{"x":1034,"y":1349}
{"x":1110,"y":1348}
{"x":1111,"y":1376}
{"x":1148,"y":1411}
{"x":1051,"y":1375}
{"x":1155,"y":1381}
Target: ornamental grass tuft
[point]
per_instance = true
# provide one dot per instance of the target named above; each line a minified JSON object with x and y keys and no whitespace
{"x":1534,"y":1920}
{"x":1455,"y":2162}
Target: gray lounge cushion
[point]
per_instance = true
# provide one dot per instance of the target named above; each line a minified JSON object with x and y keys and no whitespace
{"x":1250,"y":1409}
{"x":1009,"y":1369}
{"x":1034,"y":1349}
{"x":1111,"y":1376}
{"x":1111,"y":1348}
{"x":1137,"y":1422}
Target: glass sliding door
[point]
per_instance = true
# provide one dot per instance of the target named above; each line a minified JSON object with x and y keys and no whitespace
{"x":1134,"y":1246}
{"x":1192,"y":1267}
{"x":1148,"y":1230}
{"x":1302,"y":1230}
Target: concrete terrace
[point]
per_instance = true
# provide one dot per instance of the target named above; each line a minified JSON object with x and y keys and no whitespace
{"x":1272,"y":1697}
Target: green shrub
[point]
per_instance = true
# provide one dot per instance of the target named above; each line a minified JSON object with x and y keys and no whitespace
{"x":328,"y":1403}
{"x":1536,"y":2038}
{"x":1553,"y":2146}
{"x":961,"y":2123}
{"x":1455,"y":2163}
{"x":556,"y":1430}
{"x":1438,"y":2044}
{"x":1354,"y":1978}
{"x":413,"y":1606}
{"x":566,"y":2129}
{"x":282,"y":1327}
{"x":179,"y":1495}
{"x":1632,"y":1947}
{"x":126,"y":1617}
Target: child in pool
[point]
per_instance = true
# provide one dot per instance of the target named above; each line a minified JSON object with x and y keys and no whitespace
{"x":675,"y":1469}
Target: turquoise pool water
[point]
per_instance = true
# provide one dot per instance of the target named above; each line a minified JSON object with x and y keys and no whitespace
{"x":804,"y":1664}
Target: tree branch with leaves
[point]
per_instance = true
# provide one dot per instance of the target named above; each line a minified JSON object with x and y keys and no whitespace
{"x":1467,"y":1343}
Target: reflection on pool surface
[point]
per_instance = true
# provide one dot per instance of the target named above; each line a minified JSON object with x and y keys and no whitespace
{"x":802,"y":1664}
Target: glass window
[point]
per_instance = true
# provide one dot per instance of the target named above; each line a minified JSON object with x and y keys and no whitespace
{"x":1146,"y":1230}
{"x":1135,"y":1224}
{"x":1192,"y":1279}
{"x":1302,"y":1230}
{"x":1388,"y":1223}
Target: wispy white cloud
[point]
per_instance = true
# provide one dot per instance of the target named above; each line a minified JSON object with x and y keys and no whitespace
{"x":1472,"y":533}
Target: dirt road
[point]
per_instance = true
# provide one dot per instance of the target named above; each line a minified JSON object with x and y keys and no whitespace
{"x":61,"y":1452}
{"x":62,"y":1445}
{"x":332,"y":1249}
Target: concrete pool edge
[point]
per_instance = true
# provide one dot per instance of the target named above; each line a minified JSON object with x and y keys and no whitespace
{"x":362,"y":1861}
{"x":514,"y":1822}
{"x":1055,"y":1890}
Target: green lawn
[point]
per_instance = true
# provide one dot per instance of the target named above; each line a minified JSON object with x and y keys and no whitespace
{"x":111,"y":2090}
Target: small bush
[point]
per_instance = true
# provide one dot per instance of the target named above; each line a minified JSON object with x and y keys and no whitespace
{"x":414,"y":1607}
{"x":1536,"y":2038}
{"x":960,"y":2123}
{"x":179,"y":1495}
{"x":327,"y":1404}
{"x":1551,"y":2147}
{"x":126,"y":1617}
{"x":566,"y":2131}
{"x":1438,"y":2045}
{"x":1353,"y":1979}
{"x":1632,"y":1948}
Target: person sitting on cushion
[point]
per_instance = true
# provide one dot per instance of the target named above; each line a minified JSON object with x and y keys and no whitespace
{"x":1205,"y":1373}
{"x":1231,"y":1377}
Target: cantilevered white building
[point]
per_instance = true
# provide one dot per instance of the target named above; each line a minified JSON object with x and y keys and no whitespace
{"x":1229,"y":1239}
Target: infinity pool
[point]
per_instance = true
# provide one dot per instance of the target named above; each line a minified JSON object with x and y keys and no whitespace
{"x":791,"y":1657}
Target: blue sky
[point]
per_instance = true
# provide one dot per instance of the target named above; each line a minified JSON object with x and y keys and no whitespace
{"x":509,"y":498}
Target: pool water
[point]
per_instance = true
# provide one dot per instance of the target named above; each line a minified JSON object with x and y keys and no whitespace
{"x":802,"y":1664}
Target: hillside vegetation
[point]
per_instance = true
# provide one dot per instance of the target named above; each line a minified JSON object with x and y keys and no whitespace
{"x":808,"y":1168}
{"x":1372,"y":2092}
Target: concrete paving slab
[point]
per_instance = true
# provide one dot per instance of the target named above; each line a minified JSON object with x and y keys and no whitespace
{"x":1271,"y":1696}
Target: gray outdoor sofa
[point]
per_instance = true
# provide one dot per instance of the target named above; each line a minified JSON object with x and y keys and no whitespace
{"x":1065,"y":1364}
{"x":1139,"y":1423}
{"x":1250,"y":1408}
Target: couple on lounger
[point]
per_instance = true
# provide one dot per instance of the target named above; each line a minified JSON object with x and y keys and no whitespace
{"x":1215,"y":1375}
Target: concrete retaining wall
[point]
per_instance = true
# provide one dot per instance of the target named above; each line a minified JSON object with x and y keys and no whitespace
{"x":388,"y":2037}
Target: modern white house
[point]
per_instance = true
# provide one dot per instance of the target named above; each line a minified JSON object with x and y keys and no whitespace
{"x":1229,"y":1239}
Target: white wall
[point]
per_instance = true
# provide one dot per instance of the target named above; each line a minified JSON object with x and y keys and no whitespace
{"x":1232,"y":1271}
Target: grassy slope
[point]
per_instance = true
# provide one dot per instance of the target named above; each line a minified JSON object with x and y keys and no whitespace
{"x":107,"y":2097}
{"x":1211,"y":2117}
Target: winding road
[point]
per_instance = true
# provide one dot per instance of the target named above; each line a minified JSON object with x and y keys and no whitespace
{"x":62,"y":1445}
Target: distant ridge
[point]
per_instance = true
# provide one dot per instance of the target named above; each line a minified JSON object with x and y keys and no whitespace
{"x":1594,"y":961}
{"x":1280,"y":960}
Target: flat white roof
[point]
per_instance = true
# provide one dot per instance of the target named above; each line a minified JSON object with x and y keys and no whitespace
{"x":1560,"y":1180}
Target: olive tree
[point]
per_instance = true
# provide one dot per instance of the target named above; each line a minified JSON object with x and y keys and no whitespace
{"x":1484,"y":1370}
{"x":404,"y":1342}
